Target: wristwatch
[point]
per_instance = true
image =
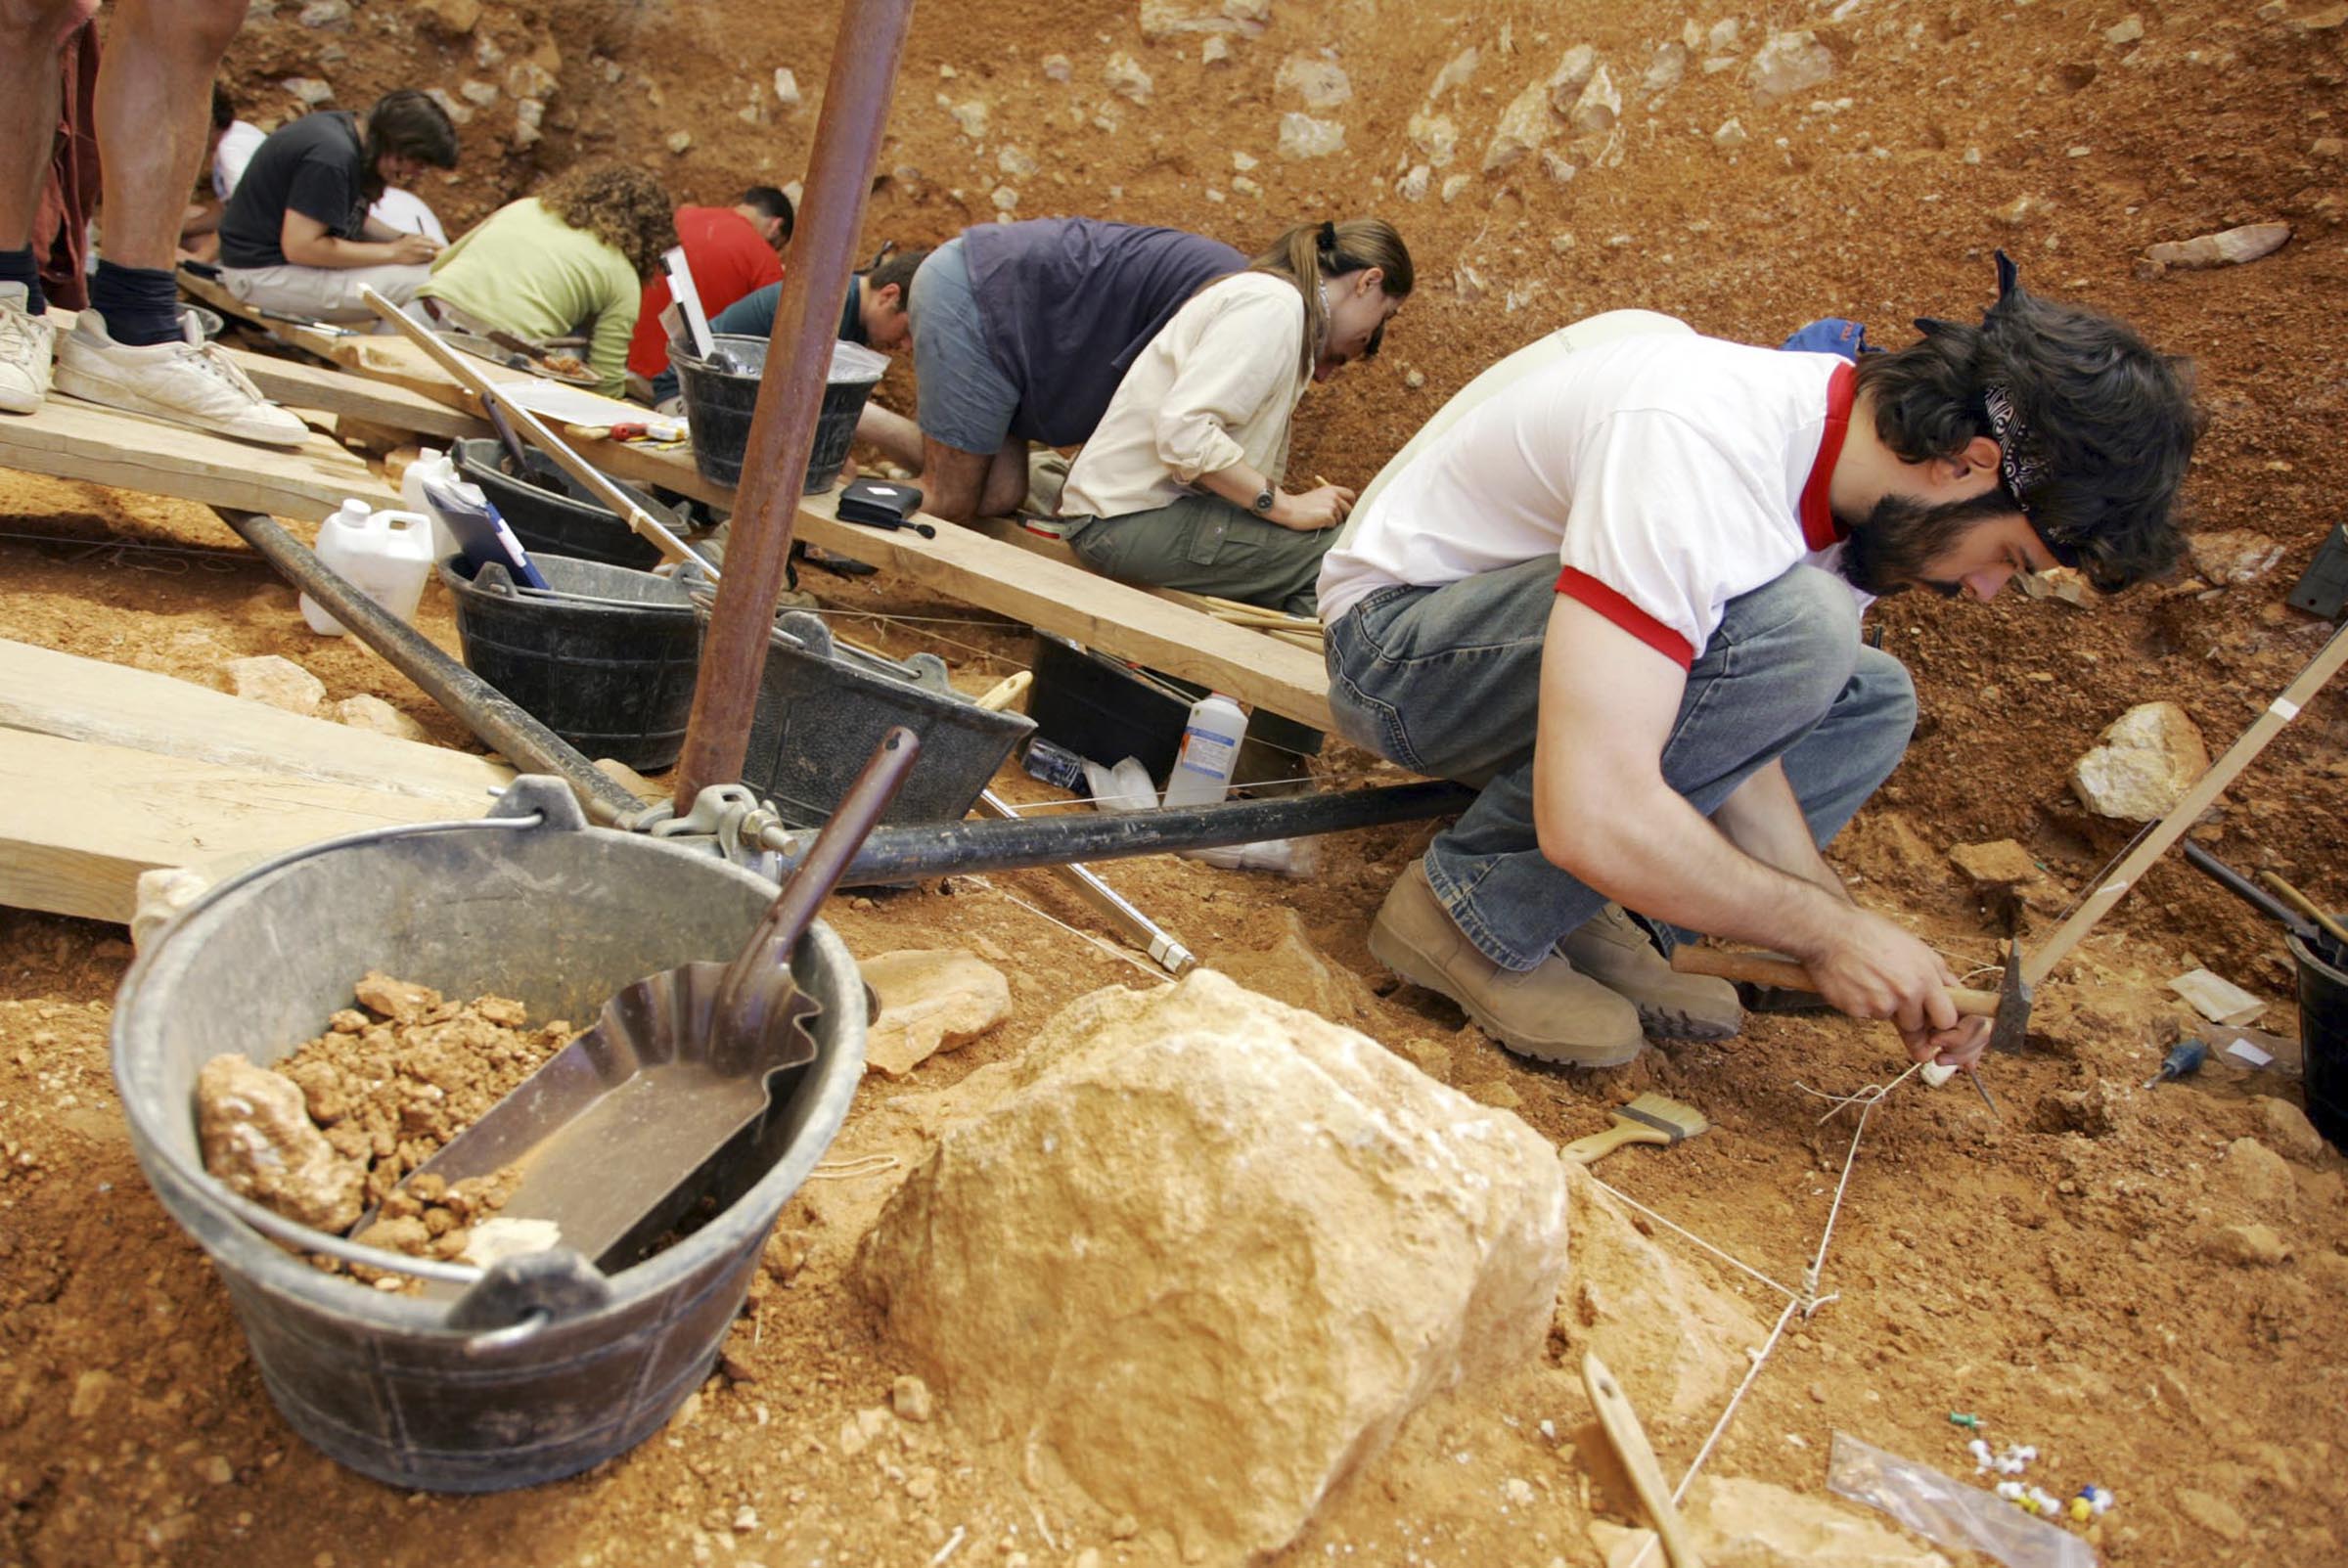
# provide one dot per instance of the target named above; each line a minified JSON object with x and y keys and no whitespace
{"x":1263,"y":503}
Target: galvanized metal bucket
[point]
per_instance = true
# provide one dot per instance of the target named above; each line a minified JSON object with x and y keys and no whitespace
{"x":542,"y":1366}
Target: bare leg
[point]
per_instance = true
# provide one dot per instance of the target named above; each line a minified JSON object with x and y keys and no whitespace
{"x":897,"y":438}
{"x":951,"y":480}
{"x":31,"y":32}
{"x":1005,"y":481}
{"x":155,"y":89}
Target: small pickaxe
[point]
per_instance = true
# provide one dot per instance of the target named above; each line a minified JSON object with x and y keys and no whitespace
{"x":2007,"y":1008}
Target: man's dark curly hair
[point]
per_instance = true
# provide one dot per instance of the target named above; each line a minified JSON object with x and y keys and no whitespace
{"x":2096,"y":427}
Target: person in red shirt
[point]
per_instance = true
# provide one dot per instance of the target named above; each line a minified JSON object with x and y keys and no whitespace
{"x":730,"y":251}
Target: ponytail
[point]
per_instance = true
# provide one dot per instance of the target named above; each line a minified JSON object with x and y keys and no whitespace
{"x":1310,"y":254}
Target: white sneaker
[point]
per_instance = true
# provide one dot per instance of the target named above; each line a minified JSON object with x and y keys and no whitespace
{"x":189,"y":383}
{"x":26,"y":341}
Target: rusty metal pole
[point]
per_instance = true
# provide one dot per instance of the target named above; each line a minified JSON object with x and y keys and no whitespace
{"x":847,"y":146}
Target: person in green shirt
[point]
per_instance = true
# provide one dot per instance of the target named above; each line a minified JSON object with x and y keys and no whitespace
{"x":573,"y":258}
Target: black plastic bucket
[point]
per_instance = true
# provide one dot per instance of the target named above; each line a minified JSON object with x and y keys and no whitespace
{"x":2324,"y":1040}
{"x":607,"y":658}
{"x":718,"y":405}
{"x":518,"y":1382}
{"x":822,"y":710}
{"x":566,"y":521}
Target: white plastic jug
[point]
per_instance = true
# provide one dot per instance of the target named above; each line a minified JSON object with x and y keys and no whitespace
{"x":1211,"y":751}
{"x":431,"y":464}
{"x":384,"y":555}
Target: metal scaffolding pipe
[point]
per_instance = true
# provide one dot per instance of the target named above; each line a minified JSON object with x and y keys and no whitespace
{"x":847,"y":147}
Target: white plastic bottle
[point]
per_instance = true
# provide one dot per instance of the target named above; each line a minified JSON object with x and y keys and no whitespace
{"x":384,"y":555}
{"x":431,"y":464}
{"x":1211,"y":751}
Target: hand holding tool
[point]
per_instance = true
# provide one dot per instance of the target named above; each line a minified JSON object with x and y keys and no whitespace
{"x":1763,"y":968}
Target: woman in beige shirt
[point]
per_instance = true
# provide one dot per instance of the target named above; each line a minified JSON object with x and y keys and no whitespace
{"x":1179,"y":486}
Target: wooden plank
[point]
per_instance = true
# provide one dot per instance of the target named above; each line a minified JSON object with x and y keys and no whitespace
{"x":69,"y":439}
{"x":341,"y":392}
{"x":1032,"y":587}
{"x":80,"y":820}
{"x":47,"y":693}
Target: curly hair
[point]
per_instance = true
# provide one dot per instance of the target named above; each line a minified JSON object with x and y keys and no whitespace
{"x":2096,"y":427}
{"x":620,"y":205}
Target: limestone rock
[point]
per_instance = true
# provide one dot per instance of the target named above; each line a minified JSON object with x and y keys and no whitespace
{"x":1435,"y":135}
{"x":1017,"y":163}
{"x":2143,"y":765}
{"x":2127,"y":30}
{"x":1731,"y":135}
{"x":279,"y":681}
{"x":1596,"y":111}
{"x":1321,"y":83}
{"x":680,"y":140}
{"x":2258,"y":1176}
{"x":2001,"y":863}
{"x":1215,"y":50}
{"x":1206,"y":1252}
{"x":474,"y":91}
{"x":1302,"y":136}
{"x":972,"y":116}
{"x":1472,"y":286}
{"x":257,"y":1137}
{"x":308,"y":91}
{"x":1412,"y":187}
{"x":2255,"y":1244}
{"x":1058,"y":68}
{"x":1788,"y":62}
{"x":1565,"y":83}
{"x":2227,"y":557}
{"x":1666,"y":69}
{"x":329,"y":15}
{"x":1676,"y":1340}
{"x":1457,"y":72}
{"x":931,"y":1000}
{"x":456,"y":18}
{"x":163,"y":891}
{"x":1756,"y":1525}
{"x":1524,"y":126}
{"x":1126,"y":79}
{"x":2282,"y":1124}
{"x":2228,"y":248}
{"x":366,"y":711}
{"x":786,"y":89}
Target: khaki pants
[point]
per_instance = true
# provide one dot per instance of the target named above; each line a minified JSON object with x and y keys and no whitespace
{"x":1205,"y":544}
{"x":323,"y":293}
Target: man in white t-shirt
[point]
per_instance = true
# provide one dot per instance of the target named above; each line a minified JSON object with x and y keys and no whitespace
{"x":1617,"y":584}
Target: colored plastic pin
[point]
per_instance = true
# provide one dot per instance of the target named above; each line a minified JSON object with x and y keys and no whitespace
{"x":2184,"y":1060}
{"x":1971,"y":1423}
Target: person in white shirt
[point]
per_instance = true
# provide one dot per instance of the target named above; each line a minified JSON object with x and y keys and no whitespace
{"x":1180,"y":484}
{"x":1617,"y":585}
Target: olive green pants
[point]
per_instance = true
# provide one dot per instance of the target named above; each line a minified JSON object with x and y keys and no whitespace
{"x":1205,"y":544}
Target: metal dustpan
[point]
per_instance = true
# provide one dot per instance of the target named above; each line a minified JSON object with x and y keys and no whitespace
{"x":625,"y":1129}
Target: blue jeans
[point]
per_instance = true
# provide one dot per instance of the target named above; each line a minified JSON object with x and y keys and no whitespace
{"x":963,"y":397}
{"x":1446,"y":681}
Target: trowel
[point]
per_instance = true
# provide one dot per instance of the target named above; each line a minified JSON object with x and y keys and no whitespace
{"x":623,"y":1130}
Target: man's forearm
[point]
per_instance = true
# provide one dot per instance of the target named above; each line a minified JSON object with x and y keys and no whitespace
{"x":1764,"y":818}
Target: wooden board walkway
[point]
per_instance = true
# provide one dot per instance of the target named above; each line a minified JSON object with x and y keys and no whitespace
{"x":77,"y":440}
{"x":107,"y":772}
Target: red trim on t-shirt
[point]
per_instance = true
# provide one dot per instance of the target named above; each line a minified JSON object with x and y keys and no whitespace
{"x":1581,"y":586}
{"x":1819,"y":527}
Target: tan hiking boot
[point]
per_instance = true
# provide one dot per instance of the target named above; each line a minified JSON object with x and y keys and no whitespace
{"x":1547,"y":1012}
{"x":1610,"y":949}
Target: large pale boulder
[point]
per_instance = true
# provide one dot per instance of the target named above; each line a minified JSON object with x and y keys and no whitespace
{"x":2143,"y":765}
{"x":1206,"y":1252}
{"x":277,"y":681}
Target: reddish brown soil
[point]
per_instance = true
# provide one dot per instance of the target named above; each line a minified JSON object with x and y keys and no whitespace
{"x":2064,"y":1273}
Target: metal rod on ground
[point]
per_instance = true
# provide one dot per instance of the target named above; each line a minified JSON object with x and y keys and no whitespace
{"x":642,"y":523}
{"x":473,"y":702}
{"x":799,"y":360}
{"x":1142,"y":932}
{"x":909,"y":853}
